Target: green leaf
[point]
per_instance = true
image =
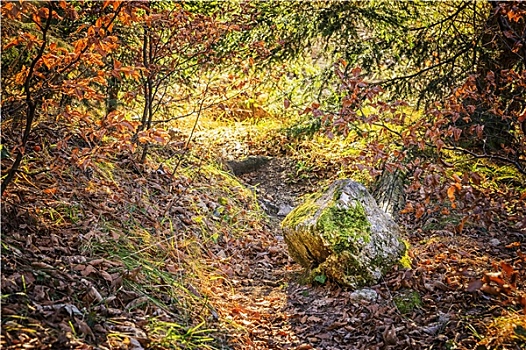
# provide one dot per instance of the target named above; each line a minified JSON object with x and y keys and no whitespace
{"x":320,"y":278}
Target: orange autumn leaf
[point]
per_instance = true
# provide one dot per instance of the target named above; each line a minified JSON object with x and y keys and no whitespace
{"x":497,"y":279}
{"x":419,"y":211}
{"x":408,"y":208}
{"x":507,"y":268}
{"x":451,"y":192}
{"x":52,"y":190}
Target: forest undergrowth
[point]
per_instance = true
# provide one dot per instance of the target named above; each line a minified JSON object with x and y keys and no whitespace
{"x":134,"y":256}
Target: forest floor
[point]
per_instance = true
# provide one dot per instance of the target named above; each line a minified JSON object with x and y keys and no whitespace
{"x":129,"y":256}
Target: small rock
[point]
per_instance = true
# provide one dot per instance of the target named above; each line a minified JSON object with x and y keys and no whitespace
{"x":284,"y":210}
{"x":432,"y":329}
{"x":364,"y":294}
{"x":494,"y":242}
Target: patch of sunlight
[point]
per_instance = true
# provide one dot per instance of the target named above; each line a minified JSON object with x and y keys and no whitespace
{"x":508,"y":329}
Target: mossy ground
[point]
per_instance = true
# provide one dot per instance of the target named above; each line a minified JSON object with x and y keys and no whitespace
{"x":407,"y":301}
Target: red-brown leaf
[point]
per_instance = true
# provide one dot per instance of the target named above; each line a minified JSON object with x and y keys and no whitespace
{"x":507,"y":268}
{"x":474,"y":285}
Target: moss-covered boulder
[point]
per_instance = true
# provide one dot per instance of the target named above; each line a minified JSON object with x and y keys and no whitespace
{"x":343,"y":235}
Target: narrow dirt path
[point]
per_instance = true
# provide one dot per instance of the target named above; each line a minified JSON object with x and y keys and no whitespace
{"x":261,"y":290}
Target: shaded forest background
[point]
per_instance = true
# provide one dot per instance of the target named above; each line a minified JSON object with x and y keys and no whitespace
{"x":107,"y":108}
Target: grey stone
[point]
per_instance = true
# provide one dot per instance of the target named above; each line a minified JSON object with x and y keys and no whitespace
{"x":494,"y":242}
{"x":284,"y":210}
{"x":364,"y":294}
{"x":343,"y":234}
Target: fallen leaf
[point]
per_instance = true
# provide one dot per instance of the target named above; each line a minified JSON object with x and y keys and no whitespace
{"x":490,"y":290}
{"x":507,"y":268}
{"x":97,"y":262}
{"x":335,"y":325}
{"x":88,"y":270}
{"x":52,"y":190}
{"x":495,"y":277}
{"x":135,"y":345}
{"x":513,"y":245}
{"x":42,"y":265}
{"x":94,"y":294}
{"x":84,"y":328}
{"x":474,"y":285}
{"x":106,"y":276}
{"x":314,"y":319}
{"x":71,"y":309}
{"x":304,"y":346}
{"x":389,"y":336}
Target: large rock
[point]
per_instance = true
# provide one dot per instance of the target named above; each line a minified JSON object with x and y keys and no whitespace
{"x":342,"y":234}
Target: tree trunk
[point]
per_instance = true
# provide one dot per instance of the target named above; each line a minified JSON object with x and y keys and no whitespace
{"x":389,"y":192}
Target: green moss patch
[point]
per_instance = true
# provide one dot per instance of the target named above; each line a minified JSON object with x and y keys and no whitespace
{"x":344,"y":268}
{"x":342,"y":228}
{"x":302,"y":212}
{"x":408,"y":300}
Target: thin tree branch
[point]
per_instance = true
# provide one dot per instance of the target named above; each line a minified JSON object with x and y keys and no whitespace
{"x":31,"y":104}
